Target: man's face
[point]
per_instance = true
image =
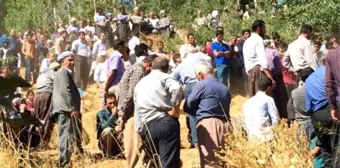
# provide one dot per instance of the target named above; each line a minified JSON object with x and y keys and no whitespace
{"x":102,"y":37}
{"x":52,"y":57}
{"x":148,"y":68}
{"x":150,"y":43}
{"x":191,"y":39}
{"x":199,"y":76}
{"x":13,"y":33}
{"x":220,"y":37}
{"x":64,"y":34}
{"x":309,"y":35}
{"x":5,"y":70}
{"x":316,"y":48}
{"x":246,"y":35}
{"x":110,"y":103}
{"x":42,"y":38}
{"x":82,"y":36}
{"x":263,"y":31}
{"x":160,"y":46}
{"x":122,"y":49}
{"x":69,"y":62}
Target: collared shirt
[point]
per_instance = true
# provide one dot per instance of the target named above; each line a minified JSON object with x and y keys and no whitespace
{"x":315,"y":90}
{"x":185,"y":71}
{"x":80,"y":47}
{"x":99,"y":48}
{"x":220,"y":47}
{"x":45,"y":63}
{"x":274,"y":61}
{"x":299,"y":103}
{"x":260,"y":114}
{"x":99,"y":19}
{"x":99,"y":73}
{"x":73,"y":29}
{"x":155,"y":95}
{"x":140,"y":59}
{"x":114,"y":62}
{"x":105,"y":119}
{"x":254,"y":53}
{"x":301,"y":54}
{"x":332,"y":77}
{"x":186,"y":49}
{"x":91,"y":29}
{"x":126,"y":88}
{"x":45,"y":82}
{"x":211,"y":97}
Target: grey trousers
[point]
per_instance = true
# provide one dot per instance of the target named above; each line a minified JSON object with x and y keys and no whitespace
{"x":70,"y":133}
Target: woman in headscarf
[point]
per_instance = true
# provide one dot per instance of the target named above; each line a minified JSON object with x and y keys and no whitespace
{"x":123,"y":25}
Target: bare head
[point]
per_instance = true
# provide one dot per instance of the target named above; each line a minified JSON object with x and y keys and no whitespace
{"x":203,"y":70}
{"x":160,"y":63}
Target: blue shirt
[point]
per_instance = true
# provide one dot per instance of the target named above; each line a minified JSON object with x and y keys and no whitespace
{"x":185,"y":71}
{"x":105,"y":119}
{"x":211,"y":98}
{"x":315,"y":90}
{"x":2,"y":39}
{"x":220,"y":48}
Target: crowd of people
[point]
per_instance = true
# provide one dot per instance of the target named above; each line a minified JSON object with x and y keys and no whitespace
{"x":141,"y":89}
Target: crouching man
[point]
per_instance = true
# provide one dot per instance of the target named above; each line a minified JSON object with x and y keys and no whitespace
{"x":108,"y":139}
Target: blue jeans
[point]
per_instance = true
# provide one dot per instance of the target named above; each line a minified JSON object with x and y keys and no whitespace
{"x":191,"y":118}
{"x":305,"y":128}
{"x":28,"y":66}
{"x":223,"y":73}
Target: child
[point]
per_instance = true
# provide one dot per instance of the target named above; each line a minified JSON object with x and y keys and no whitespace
{"x":289,"y":77}
{"x":315,"y":152}
{"x":30,"y":101}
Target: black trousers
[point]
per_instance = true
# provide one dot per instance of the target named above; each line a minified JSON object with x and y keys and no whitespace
{"x":328,"y":134}
{"x":82,"y":72}
{"x":161,"y":140}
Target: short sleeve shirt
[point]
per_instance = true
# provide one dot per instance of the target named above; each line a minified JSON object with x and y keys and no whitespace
{"x":220,"y":48}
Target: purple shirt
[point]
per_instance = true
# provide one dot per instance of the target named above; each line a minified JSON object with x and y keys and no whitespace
{"x":122,"y":18}
{"x":332,"y":77}
{"x":115,"y":62}
{"x":274,"y":61}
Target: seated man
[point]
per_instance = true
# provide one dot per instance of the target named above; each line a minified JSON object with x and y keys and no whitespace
{"x":260,"y":112}
{"x":106,"y":122}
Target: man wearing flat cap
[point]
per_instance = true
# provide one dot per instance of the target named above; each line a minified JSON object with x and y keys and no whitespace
{"x":66,"y":108}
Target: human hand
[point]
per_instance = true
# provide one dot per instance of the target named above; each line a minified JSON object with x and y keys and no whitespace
{"x":335,"y":116}
{"x":74,"y":114}
{"x":120,"y":125}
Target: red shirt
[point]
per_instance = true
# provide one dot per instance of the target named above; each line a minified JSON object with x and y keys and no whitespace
{"x":288,"y":77}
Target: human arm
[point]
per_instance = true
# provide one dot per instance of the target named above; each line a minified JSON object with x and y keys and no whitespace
{"x":174,"y":88}
{"x":310,"y":56}
{"x":273,"y":112}
{"x":128,"y":98}
{"x":74,"y":47}
{"x":331,"y":91}
{"x":308,"y":102}
{"x":191,"y":103}
{"x":95,"y":49}
{"x":96,"y":76}
{"x":290,"y":110}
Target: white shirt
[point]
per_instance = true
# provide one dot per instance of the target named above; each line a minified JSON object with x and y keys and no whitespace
{"x":301,"y":54}
{"x":5,"y":53}
{"x":155,"y":95}
{"x":45,"y":63}
{"x":99,"y":48}
{"x":134,"y":41}
{"x":260,"y":114}
{"x":254,"y":53}
{"x":81,"y":48}
{"x":186,"y":49}
{"x":154,"y":22}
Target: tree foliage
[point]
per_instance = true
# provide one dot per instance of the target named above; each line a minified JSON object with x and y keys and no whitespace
{"x":321,"y":14}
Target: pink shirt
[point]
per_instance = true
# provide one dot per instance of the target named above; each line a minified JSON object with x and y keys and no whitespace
{"x":288,"y":76}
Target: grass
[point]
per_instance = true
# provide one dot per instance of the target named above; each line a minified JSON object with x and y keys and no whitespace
{"x":283,"y":152}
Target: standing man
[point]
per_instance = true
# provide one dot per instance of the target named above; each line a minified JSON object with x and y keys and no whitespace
{"x":114,"y":66}
{"x":301,"y":51}
{"x":43,"y":100}
{"x":255,"y":59}
{"x":66,"y":109}
{"x":60,"y":43}
{"x":42,"y":48}
{"x":82,"y":52}
{"x":190,"y":47}
{"x":212,"y":100}
{"x":332,"y":84}
{"x":100,"y":21}
{"x":100,"y":47}
{"x":132,"y":141}
{"x":155,"y":95}
{"x":221,"y":53}
{"x":30,"y":54}
{"x":185,"y":74}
